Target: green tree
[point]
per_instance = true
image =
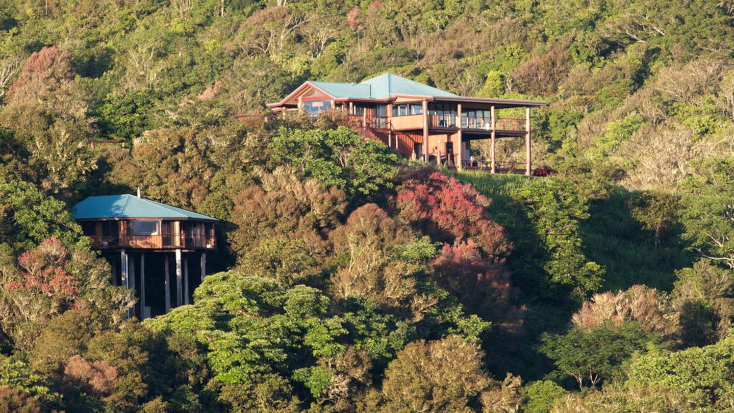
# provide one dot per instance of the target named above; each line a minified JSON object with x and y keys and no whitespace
{"x":595,"y":355}
{"x":554,"y":210}
{"x":338,"y":158}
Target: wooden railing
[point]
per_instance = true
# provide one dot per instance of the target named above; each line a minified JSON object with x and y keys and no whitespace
{"x":510,"y":124}
{"x":165,"y":241}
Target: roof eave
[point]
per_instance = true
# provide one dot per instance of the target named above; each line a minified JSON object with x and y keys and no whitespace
{"x":508,"y":102}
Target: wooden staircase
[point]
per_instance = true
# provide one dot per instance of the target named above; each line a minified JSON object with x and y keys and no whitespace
{"x":399,"y":141}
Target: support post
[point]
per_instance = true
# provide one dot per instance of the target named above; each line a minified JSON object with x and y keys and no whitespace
{"x":124,"y":280}
{"x":203,"y":266}
{"x":460,"y":156}
{"x":131,"y":277}
{"x":143,"y":312}
{"x":425,"y":131}
{"x":186,"y":280}
{"x":493,"y":144}
{"x":114,"y":272}
{"x":168,"y":285}
{"x":528,"y":171}
{"x":351,"y":108}
{"x":179,"y":279}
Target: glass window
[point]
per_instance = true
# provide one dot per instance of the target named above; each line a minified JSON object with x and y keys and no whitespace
{"x":359,"y":110}
{"x":89,"y":228}
{"x":145,"y":227}
{"x":416,"y":109}
{"x":316,"y":106}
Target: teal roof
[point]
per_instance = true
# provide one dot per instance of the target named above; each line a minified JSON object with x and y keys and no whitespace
{"x":386,"y":85}
{"x":129,"y":206}
{"x":344,"y":90}
{"x":380,"y":87}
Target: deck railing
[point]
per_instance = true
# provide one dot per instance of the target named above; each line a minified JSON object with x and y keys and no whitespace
{"x":164,"y":241}
{"x":438,"y":122}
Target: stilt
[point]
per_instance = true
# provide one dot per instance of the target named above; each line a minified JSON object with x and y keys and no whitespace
{"x":425,"y":131}
{"x":493,"y":143}
{"x":460,"y":156}
{"x":168,"y":285}
{"x":528,"y":170}
{"x":203,"y":266}
{"x":125,"y":280}
{"x":114,"y":272}
{"x":179,"y":279}
{"x":186,"y":280}
{"x":131,"y":276}
{"x":143,"y":310}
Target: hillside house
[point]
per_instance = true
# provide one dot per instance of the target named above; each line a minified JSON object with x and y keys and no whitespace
{"x":419,"y":121}
{"x":144,"y":241}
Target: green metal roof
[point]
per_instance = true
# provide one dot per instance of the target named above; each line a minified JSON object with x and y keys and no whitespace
{"x":386,"y":85}
{"x":380,"y":87}
{"x":130,"y":206}
{"x":344,"y":90}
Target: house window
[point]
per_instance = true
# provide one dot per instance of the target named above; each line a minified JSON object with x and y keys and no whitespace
{"x":359,"y":110}
{"x":145,"y":227}
{"x":89,"y":228}
{"x":443,"y":114}
{"x":315,"y":107}
{"x":416,"y":109}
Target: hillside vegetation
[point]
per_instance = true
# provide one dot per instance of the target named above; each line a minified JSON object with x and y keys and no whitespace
{"x":350,"y":279}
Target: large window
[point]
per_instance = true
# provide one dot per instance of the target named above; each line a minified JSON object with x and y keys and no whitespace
{"x":145,"y":227}
{"x":315,"y":107}
{"x":407,"y":109}
{"x":476,"y":119}
{"x":443,"y":114}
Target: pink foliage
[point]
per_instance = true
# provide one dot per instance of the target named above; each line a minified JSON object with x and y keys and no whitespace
{"x":44,"y":271}
{"x":376,"y":5}
{"x":451,"y":212}
{"x":482,"y":284}
{"x":352,"y":17}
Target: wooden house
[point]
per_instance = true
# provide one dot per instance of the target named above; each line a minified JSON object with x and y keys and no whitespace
{"x":144,"y":241}
{"x":417,"y":120}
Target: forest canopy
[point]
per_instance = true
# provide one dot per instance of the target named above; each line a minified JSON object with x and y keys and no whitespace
{"x":348,"y":278}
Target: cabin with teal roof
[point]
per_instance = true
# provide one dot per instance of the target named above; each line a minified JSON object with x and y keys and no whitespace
{"x":145,"y":242}
{"x":420,"y":121}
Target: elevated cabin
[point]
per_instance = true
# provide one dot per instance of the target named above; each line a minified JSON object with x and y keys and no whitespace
{"x":139,"y":236}
{"x":417,"y":120}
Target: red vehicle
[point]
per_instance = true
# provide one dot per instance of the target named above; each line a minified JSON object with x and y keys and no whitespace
{"x":544,"y":171}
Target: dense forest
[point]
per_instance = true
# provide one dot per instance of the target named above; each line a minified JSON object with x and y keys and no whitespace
{"x":351,"y":279}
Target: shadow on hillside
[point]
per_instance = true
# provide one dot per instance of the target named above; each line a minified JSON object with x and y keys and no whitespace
{"x":614,"y":239}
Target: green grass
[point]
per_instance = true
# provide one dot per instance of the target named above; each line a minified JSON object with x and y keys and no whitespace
{"x":611,"y":237}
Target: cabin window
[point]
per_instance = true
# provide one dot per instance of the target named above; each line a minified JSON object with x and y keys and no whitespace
{"x":110,"y":228}
{"x":89,"y":228}
{"x":359,"y":110}
{"x":315,"y":107}
{"x":145,"y":227}
{"x":416,"y":109}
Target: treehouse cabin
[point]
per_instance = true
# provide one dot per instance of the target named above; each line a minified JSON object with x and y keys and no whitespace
{"x":420,"y":121}
{"x":144,"y":241}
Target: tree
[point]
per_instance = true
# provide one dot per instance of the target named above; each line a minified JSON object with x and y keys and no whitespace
{"x":701,"y":376}
{"x":595,"y":355}
{"x":368,"y":246}
{"x":704,"y":298}
{"x":656,"y":212}
{"x":338,"y":158}
{"x":450,"y":212}
{"x":707,"y":211}
{"x":435,"y":376}
{"x":651,"y":309}
{"x":554,"y":210}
